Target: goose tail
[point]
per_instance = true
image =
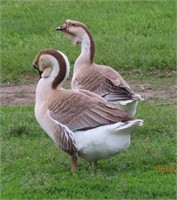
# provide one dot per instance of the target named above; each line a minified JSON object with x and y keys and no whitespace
{"x":127,"y":127}
{"x":131,"y":123}
{"x":129,"y":106}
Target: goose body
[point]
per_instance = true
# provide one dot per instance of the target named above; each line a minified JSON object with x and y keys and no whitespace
{"x":100,"y":79}
{"x":81,"y":122}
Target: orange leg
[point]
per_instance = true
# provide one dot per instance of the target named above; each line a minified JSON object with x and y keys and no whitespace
{"x":73,"y":163}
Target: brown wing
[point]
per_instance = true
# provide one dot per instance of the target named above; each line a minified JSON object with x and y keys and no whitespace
{"x":64,"y":138}
{"x":82,"y":110}
{"x":105,"y":82}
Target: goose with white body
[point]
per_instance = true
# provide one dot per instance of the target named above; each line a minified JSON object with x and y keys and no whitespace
{"x":100,"y":79}
{"x":81,"y":122}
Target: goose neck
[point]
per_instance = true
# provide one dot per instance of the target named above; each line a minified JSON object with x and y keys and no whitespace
{"x":87,"y":50}
{"x":43,"y":88}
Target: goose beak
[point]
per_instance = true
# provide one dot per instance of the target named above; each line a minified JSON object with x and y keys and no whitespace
{"x":40,"y":73}
{"x":62,"y":27}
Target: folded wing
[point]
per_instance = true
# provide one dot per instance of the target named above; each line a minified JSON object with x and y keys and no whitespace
{"x":82,"y":110}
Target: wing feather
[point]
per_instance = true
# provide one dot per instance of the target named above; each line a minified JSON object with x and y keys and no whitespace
{"x":80,"y":110}
{"x":105,"y":82}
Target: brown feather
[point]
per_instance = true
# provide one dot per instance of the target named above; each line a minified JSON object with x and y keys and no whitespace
{"x":65,"y":140}
{"x":104,"y":82}
{"x":79,"y":109}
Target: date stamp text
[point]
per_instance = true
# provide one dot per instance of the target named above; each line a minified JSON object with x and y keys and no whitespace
{"x":166,"y":169}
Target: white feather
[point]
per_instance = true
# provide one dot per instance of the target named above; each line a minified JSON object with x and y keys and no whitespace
{"x":105,"y":141}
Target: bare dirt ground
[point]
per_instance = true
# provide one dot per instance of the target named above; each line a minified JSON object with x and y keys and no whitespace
{"x":25,"y":94}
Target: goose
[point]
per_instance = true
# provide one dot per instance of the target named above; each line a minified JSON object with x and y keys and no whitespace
{"x":100,"y":79}
{"x":80,"y":122}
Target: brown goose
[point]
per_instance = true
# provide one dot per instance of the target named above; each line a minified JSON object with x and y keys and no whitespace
{"x":100,"y":79}
{"x":79,"y":121}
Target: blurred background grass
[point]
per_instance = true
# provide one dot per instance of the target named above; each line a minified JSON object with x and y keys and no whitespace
{"x":134,"y":37}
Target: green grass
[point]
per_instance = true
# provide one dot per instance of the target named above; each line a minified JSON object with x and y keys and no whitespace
{"x":135,"y":36}
{"x":33,"y":167}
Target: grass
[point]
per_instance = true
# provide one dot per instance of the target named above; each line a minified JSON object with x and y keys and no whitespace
{"x":135,"y":36}
{"x":33,"y":167}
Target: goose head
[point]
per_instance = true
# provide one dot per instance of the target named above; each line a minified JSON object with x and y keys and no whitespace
{"x":73,"y":30}
{"x":52,"y":65}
